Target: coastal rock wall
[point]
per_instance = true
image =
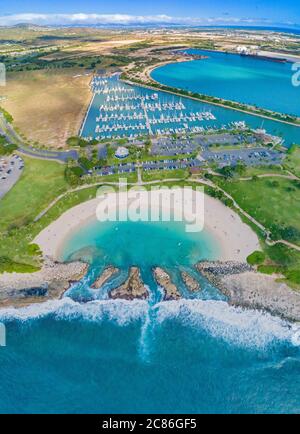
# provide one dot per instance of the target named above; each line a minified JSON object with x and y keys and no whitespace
{"x":247,"y":288}
{"x":260,"y":291}
{"x":49,"y":283}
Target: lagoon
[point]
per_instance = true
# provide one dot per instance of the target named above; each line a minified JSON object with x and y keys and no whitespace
{"x":237,"y":78}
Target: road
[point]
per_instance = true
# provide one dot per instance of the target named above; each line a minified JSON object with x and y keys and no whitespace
{"x":12,"y":136}
{"x":60,"y":156}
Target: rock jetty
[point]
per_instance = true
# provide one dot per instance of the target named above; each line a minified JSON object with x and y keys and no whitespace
{"x":105,"y":276}
{"x":132,"y":288}
{"x":48,"y":283}
{"x":190,"y":282}
{"x":164,"y":280}
{"x":247,"y":288}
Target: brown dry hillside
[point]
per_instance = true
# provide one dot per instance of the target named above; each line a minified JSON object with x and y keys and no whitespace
{"x":47,"y":106}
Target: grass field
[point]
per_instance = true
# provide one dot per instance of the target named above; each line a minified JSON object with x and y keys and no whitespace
{"x":131,"y":177}
{"x":276,"y":206}
{"x":153,"y":175}
{"x":39,"y":184}
{"x":262,"y":170}
{"x":274,"y":202}
{"x":16,"y":245}
{"x":92,"y":48}
{"x":47,"y":106}
{"x":292,"y":161}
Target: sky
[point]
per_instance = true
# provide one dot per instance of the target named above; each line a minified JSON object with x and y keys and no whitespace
{"x":195,"y":12}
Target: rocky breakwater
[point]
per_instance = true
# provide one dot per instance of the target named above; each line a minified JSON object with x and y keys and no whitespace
{"x":190,"y":282}
{"x":132,"y":288}
{"x":164,"y":280}
{"x":50,"y":282}
{"x":247,"y":288}
{"x":105,"y":276}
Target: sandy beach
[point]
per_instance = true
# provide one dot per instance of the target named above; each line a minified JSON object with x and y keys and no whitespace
{"x":235,"y":239}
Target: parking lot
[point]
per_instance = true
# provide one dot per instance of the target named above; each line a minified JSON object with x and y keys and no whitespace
{"x":251,"y":157}
{"x":10,"y":171}
{"x":169,"y":146}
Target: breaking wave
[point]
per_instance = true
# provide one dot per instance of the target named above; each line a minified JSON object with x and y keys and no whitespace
{"x":217,"y":318}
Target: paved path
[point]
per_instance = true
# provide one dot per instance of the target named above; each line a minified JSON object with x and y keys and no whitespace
{"x":272,"y":175}
{"x":286,"y":243}
{"x":13,"y":137}
{"x":139,"y":175}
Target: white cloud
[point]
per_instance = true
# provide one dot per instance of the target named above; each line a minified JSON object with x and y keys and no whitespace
{"x":80,"y":18}
{"x":93,"y":19}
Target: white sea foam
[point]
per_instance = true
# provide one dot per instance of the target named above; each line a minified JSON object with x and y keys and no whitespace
{"x":234,"y":325}
{"x":120,"y":311}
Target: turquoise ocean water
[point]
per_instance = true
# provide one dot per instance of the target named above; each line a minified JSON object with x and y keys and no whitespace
{"x":193,"y":355}
{"x":238,"y":78}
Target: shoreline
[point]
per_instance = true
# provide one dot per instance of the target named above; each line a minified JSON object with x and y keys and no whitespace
{"x":246,"y":288}
{"x":235,"y":238}
{"x":49,"y":283}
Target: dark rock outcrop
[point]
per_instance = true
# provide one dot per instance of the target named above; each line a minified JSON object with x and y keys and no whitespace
{"x":132,"y":288}
{"x":105,"y":276}
{"x":164,"y":280}
{"x":192,"y":284}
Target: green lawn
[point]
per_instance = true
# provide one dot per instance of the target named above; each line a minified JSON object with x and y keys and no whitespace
{"x":152,"y":175}
{"x":274,"y":202}
{"x":147,"y":157}
{"x":292,"y":161}
{"x":15,"y":245}
{"x":131,"y":177}
{"x":261,"y":170}
{"x":283,"y":260}
{"x":40,"y":182}
{"x":276,"y":207}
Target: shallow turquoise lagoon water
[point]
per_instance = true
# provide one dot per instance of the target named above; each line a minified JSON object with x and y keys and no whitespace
{"x":244,"y":79}
{"x":193,"y":355}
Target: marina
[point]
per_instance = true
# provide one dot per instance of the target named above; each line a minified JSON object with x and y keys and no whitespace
{"x":120,"y":110}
